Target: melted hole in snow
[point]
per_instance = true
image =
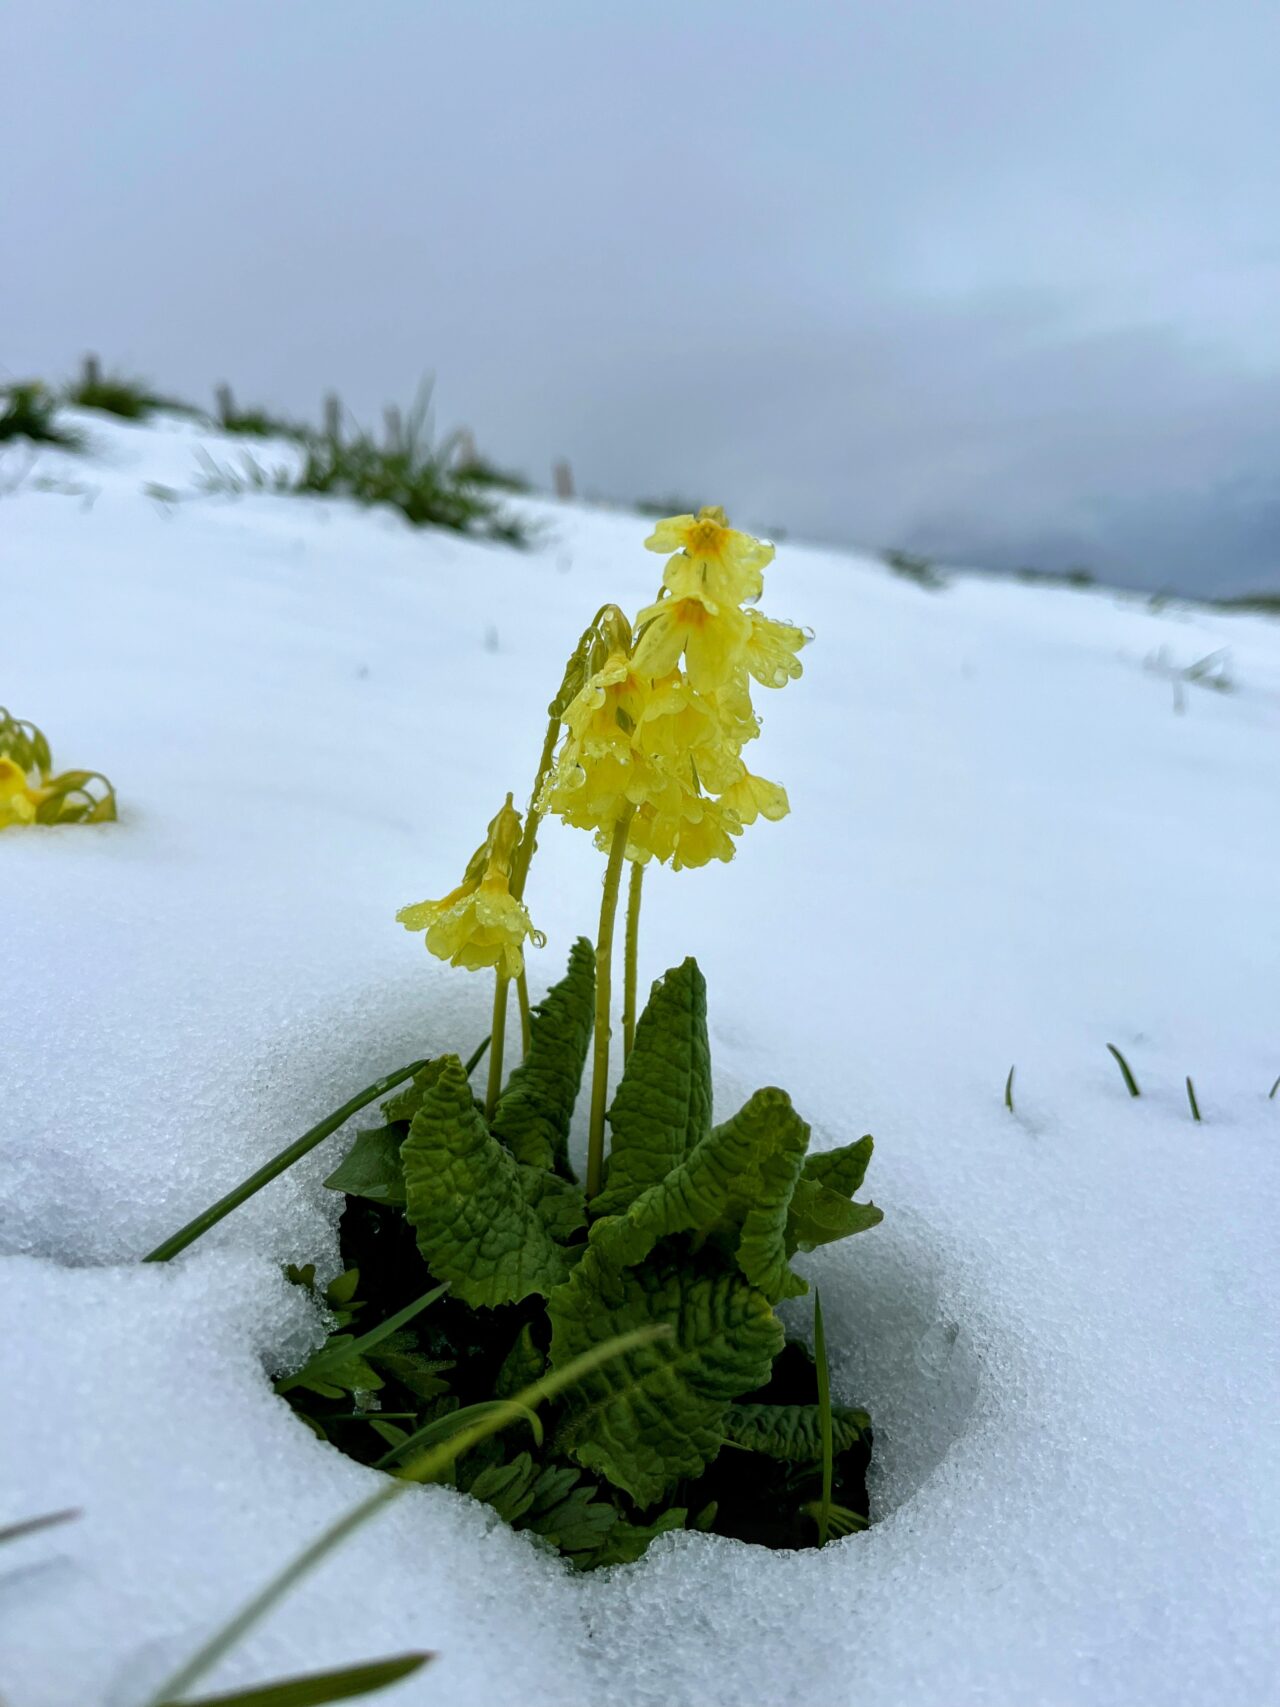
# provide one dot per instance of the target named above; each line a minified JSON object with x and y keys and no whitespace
{"x":898,"y":1348}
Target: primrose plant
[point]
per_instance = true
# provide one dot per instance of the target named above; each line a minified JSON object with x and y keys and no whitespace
{"x":721,"y":1422}
{"x":32,"y":792}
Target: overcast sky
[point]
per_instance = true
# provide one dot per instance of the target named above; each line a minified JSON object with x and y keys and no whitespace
{"x":995,"y":279}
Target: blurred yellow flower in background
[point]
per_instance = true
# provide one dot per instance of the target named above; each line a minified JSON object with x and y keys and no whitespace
{"x":18,"y":800}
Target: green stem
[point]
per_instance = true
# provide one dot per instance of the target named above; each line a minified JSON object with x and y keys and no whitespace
{"x":824,"y":1418}
{"x":497,"y":1037}
{"x":210,"y":1217}
{"x":522,"y":999}
{"x":604,"y":992}
{"x":523,"y":858}
{"x":632,"y":948}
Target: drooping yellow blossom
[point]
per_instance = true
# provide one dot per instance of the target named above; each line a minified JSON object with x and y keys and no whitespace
{"x":18,"y":800}
{"x":771,"y":649}
{"x":711,"y":637}
{"x":658,"y":729}
{"x":752,"y":797}
{"x":480,"y":923}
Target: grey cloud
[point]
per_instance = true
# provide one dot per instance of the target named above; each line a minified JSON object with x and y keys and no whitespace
{"x":993,"y":280}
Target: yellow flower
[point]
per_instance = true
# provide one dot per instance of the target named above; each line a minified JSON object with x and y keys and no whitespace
{"x":480,"y":923}
{"x":603,"y":715}
{"x":18,"y":801}
{"x":752,"y":797}
{"x":716,"y":557}
{"x":712,"y":639}
{"x":734,"y":711}
{"x":691,"y":831}
{"x":770,"y":650}
{"x":681,"y":727}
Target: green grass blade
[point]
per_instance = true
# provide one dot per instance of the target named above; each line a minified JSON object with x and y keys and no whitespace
{"x":474,"y":1060}
{"x":329,"y":1358}
{"x":319,"y":1687}
{"x":1008,"y":1091}
{"x":1130,"y":1081}
{"x":824,"y":1418}
{"x":1271,"y":1093}
{"x":433,"y":1432}
{"x":278,"y":1164}
{"x":428,"y":1467}
{"x":32,"y":1525}
{"x":1191,"y":1098}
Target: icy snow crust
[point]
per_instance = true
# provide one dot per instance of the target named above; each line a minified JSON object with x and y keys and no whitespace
{"x":1005,"y":847}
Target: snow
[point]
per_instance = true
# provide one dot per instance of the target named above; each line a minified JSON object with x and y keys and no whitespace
{"x":1005,"y":847}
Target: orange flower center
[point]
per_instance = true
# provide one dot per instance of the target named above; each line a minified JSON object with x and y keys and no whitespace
{"x":705,"y":539}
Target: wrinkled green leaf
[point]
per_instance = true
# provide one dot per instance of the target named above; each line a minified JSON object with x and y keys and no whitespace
{"x":408,"y":1099}
{"x":371,"y":1167}
{"x":818,"y":1216}
{"x":561,"y":1204}
{"x":735,"y":1186}
{"x":466,"y":1198}
{"x":793,"y":1432}
{"x":842,"y":1169}
{"x":658,"y":1413}
{"x":662,"y":1108}
{"x":533,"y":1114}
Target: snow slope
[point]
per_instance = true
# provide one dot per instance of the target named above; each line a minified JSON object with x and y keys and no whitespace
{"x":1005,"y":846}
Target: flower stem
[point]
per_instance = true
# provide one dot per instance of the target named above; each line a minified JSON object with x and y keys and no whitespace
{"x":498,"y":1033}
{"x":633,"y":943}
{"x":523,"y":858}
{"x":604,"y":992}
{"x":522,"y":997}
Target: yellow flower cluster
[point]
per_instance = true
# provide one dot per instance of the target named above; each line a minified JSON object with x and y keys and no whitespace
{"x":661,"y":725}
{"x":480,"y":923}
{"x":69,"y":797}
{"x":18,"y":800}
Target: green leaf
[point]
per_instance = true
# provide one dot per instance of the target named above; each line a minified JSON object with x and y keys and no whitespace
{"x":658,"y":1413}
{"x":626,"y":1542}
{"x":522,"y":1365}
{"x":818,"y":1216}
{"x":371,"y":1167}
{"x":408,"y":1099}
{"x":340,"y":1360}
{"x":508,"y":1488}
{"x":317,"y":1687}
{"x":562,"y":1205}
{"x":466,"y":1200}
{"x":662,"y":1108}
{"x":533,"y":1114}
{"x":842,"y":1169}
{"x":571,"y":1514}
{"x":342,"y":1291}
{"x":735,"y":1186}
{"x":793,"y":1432}
{"x":421,"y":1375}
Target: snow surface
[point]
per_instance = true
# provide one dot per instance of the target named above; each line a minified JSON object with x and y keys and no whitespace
{"x":1005,"y":846}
